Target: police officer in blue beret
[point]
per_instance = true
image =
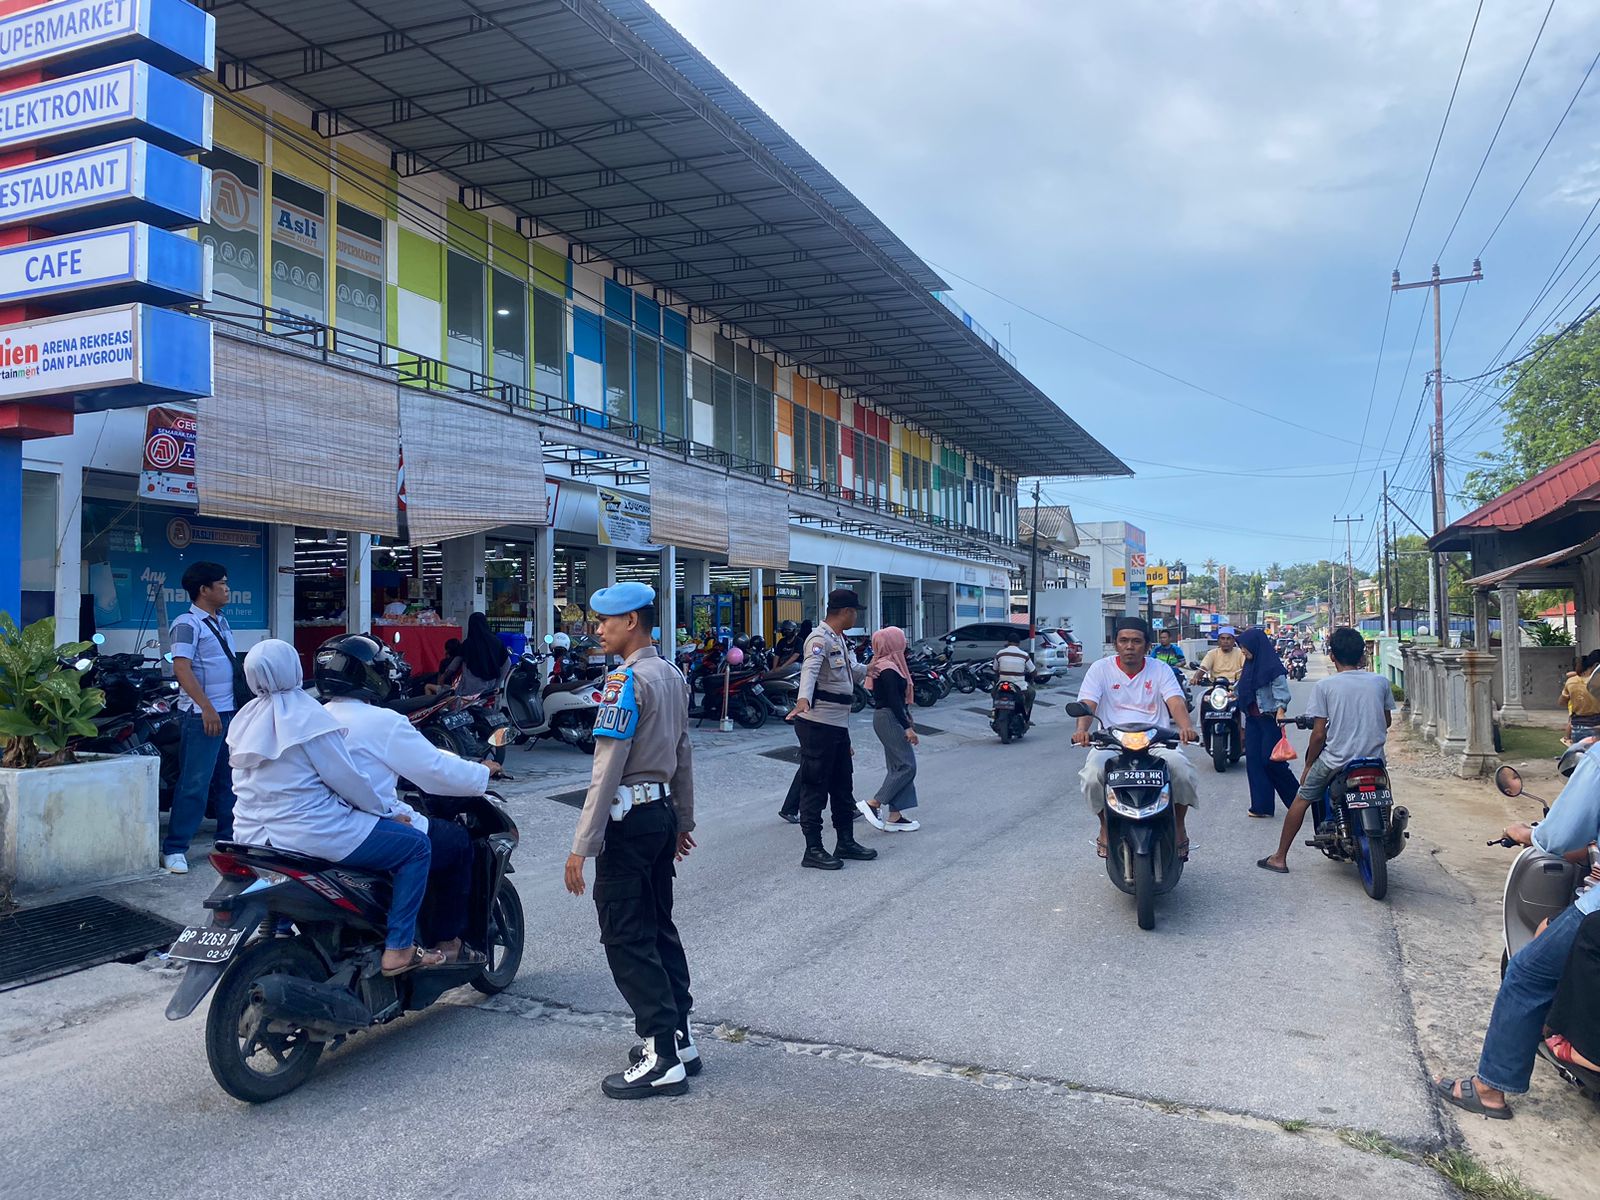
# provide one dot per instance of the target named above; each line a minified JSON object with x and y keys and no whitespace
{"x":637,"y":819}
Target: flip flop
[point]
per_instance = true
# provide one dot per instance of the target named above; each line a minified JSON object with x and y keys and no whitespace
{"x":1266,"y":865}
{"x":1100,"y":849}
{"x":1469,"y":1100}
{"x":1259,"y":816}
{"x":1183,"y":850}
{"x":420,"y":959}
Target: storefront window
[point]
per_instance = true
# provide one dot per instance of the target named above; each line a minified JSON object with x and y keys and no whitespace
{"x":510,"y":330}
{"x":673,"y":415}
{"x":722,"y":405}
{"x":647,"y":380}
{"x":299,"y":249}
{"x":619,"y":398}
{"x":234,"y":233}
{"x":358,"y":280}
{"x":743,"y":419}
{"x":763,"y":424}
{"x":39,"y":500}
{"x":464,"y":318}
{"x":549,"y":345}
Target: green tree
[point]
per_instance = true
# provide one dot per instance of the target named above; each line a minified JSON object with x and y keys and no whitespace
{"x":1551,"y":407}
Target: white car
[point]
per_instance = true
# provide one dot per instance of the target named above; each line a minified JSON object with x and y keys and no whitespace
{"x":1051,"y":652}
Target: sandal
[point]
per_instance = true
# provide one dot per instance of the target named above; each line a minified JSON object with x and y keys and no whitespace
{"x":465,"y":957}
{"x":420,"y":959}
{"x":1100,"y":848}
{"x":1469,"y":1100}
{"x":1183,"y":850}
{"x":1266,"y":865}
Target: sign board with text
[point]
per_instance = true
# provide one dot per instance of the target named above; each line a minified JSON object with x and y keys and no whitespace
{"x":132,"y":262}
{"x":109,"y":358}
{"x":128,"y":180}
{"x":168,"y":469}
{"x":1156,"y":576}
{"x":623,"y":521}
{"x":131,"y":99}
{"x":173,"y":34}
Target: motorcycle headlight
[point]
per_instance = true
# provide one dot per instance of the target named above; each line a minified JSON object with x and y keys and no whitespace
{"x":1133,"y":739}
{"x":1219,"y":697}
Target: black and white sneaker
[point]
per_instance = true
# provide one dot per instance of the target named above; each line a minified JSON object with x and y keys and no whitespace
{"x":652,"y":1075}
{"x":688,"y":1053}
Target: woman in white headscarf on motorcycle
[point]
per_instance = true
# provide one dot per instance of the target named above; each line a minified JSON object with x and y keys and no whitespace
{"x":299,"y":790}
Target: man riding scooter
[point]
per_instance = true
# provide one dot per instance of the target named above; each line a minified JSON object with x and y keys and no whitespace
{"x":355,"y":674}
{"x":1014,"y":665}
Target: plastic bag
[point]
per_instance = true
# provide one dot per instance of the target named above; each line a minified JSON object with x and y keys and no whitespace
{"x":1283,"y":751}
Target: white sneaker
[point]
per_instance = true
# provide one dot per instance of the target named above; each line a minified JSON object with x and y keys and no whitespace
{"x":175,"y":863}
{"x":902,"y":825}
{"x":871,"y":814}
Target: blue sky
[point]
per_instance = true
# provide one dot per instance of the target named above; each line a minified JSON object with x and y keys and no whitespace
{"x":1219,"y":188}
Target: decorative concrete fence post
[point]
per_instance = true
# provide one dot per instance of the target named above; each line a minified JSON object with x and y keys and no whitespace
{"x":1477,"y":673}
{"x":1408,"y":667}
{"x":1511,"y":710}
{"x":1453,"y":712}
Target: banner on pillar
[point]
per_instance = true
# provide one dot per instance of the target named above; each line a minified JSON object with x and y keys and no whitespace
{"x":623,"y":521}
{"x":168,"y":469}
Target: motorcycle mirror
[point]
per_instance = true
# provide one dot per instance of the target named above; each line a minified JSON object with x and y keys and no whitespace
{"x":1509,"y":781}
{"x":99,"y":639}
{"x":549,"y":639}
{"x":499,"y":737}
{"x":1078,"y":708}
{"x":82,"y":665}
{"x":397,"y":637}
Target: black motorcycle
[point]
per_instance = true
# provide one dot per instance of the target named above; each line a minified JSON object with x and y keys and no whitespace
{"x":1008,"y":711}
{"x":296,"y":944}
{"x":1141,"y":829}
{"x":1220,"y":730}
{"x":1297,"y":665}
{"x":1356,"y":820}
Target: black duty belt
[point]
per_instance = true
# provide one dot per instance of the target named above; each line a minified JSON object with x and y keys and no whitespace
{"x":833,"y":697}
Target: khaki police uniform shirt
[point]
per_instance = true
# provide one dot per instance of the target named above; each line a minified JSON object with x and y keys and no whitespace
{"x":826,"y":665}
{"x":641,"y":736}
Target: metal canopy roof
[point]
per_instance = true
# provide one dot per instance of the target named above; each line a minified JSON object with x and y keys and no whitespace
{"x":562,"y":111}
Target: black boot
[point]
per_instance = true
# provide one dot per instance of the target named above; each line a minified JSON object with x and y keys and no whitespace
{"x":688,"y":1052}
{"x":848,"y":847}
{"x":816,"y":856}
{"x":657,"y":1073}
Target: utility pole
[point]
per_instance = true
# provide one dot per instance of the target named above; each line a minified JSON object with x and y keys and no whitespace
{"x":1349,"y":565}
{"x":1333,"y":595}
{"x":1033,"y":575}
{"x":1383,"y":564}
{"x":1439,"y":583}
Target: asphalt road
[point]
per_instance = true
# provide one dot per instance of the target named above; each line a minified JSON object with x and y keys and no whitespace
{"x":975,"y":1013}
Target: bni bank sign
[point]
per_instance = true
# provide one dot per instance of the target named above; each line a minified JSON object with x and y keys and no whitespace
{"x":108,"y":110}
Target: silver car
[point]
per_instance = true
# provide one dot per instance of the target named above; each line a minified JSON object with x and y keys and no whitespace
{"x":982,"y":641}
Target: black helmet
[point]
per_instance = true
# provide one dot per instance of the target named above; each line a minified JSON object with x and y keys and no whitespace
{"x":758,"y":642}
{"x":742,"y":641}
{"x":357,"y":667}
{"x":786,"y":628}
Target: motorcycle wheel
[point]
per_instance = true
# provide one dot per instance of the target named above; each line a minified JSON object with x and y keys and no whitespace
{"x":260,"y":1066}
{"x":1373,"y":862}
{"x":1219,"y":753}
{"x":1235,"y":748}
{"x":1019,"y":725}
{"x":925,"y":693}
{"x":586,"y":743}
{"x":439,"y":738}
{"x":1144,"y":890}
{"x":506,"y":930}
{"x":1003,"y":728}
{"x":746,"y":714}
{"x":965,"y":684}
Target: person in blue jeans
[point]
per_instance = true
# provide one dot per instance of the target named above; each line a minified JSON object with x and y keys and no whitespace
{"x":203,"y":660}
{"x":300,"y":790}
{"x":1529,"y":988}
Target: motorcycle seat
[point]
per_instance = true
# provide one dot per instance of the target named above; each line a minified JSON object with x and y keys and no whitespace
{"x":1364,"y":762}
{"x":407,"y":705}
{"x":575,"y":685}
{"x":269,"y":855}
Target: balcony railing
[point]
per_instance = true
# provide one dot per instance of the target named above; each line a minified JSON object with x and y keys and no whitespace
{"x":419,"y":370}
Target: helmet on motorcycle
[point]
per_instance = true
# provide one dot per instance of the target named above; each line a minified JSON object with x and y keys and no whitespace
{"x":735,"y":657}
{"x":788,"y":628}
{"x":561,"y":642}
{"x":742,"y":641}
{"x":758,"y":642}
{"x":356,"y":667}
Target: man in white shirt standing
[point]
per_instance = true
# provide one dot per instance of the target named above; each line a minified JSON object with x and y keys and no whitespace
{"x":1130,"y":689}
{"x":210,"y":675}
{"x":355,"y":675}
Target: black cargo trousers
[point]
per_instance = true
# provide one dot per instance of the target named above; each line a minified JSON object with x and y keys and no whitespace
{"x":633,"y":876}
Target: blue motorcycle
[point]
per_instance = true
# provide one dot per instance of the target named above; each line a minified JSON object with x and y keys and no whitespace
{"x":1356,"y":820}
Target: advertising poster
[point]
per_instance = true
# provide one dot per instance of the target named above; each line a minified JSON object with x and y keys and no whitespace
{"x":135,"y":554}
{"x":624,"y":521}
{"x":234,"y":233}
{"x":168,"y":470}
{"x":299,"y":248}
{"x":358,"y":275}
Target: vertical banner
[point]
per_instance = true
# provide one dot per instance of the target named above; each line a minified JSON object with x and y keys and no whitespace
{"x":168,"y":469}
{"x":299,"y":248}
{"x":623,"y":521}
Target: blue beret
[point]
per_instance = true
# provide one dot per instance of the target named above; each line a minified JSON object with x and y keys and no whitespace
{"x":622,"y":598}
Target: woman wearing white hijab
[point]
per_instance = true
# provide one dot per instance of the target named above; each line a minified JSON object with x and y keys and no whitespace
{"x":299,"y":790}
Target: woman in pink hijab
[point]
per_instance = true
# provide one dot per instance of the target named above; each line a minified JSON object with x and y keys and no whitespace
{"x":889,"y":678}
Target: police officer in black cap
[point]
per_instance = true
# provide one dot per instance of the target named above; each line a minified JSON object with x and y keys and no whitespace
{"x":821,"y":716}
{"x":636,"y":820}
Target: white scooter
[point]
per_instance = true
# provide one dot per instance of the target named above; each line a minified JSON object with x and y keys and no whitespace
{"x":563,"y":711}
{"x":1539,"y":887}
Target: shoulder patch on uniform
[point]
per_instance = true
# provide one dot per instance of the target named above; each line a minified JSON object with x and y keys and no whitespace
{"x":618,"y":716}
{"x":817,"y":649}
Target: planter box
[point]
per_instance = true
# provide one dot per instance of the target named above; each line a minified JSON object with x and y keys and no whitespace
{"x":68,"y":826}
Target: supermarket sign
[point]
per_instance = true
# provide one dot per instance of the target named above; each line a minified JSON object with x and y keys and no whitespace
{"x":131,"y":354}
{"x":170,"y":33}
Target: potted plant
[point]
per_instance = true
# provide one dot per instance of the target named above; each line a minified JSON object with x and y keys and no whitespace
{"x":65,"y":818}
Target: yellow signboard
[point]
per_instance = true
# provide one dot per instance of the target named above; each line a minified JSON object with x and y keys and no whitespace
{"x":1155,"y":576}
{"x":1119,"y":577}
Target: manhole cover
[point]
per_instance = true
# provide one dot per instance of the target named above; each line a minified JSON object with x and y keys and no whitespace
{"x":571,"y":799}
{"x":788,"y":754}
{"x":40,"y":943}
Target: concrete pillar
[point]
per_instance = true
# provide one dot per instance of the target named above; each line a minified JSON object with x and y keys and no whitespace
{"x":280,"y":583}
{"x":463,"y":590}
{"x":1480,"y":619}
{"x":602,"y":570}
{"x":824,"y":586}
{"x":1429,"y":695}
{"x":917,"y":633}
{"x":1408,"y":677}
{"x":1453,"y":712}
{"x":1511,"y":711}
{"x":667,"y":604}
{"x":696,"y":576}
{"x":1478,"y":758}
{"x":544,"y":582}
{"x":358,"y":582}
{"x":69,"y":570}
{"x":873,"y":617}
{"x":756,"y":611}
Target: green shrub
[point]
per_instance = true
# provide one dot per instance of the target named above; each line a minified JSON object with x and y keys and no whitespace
{"x":43,"y":703}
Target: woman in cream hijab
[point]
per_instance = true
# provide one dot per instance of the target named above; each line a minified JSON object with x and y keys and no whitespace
{"x":299,"y":790}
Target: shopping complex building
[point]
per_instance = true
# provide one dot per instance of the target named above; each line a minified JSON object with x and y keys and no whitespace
{"x":516,"y":298}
